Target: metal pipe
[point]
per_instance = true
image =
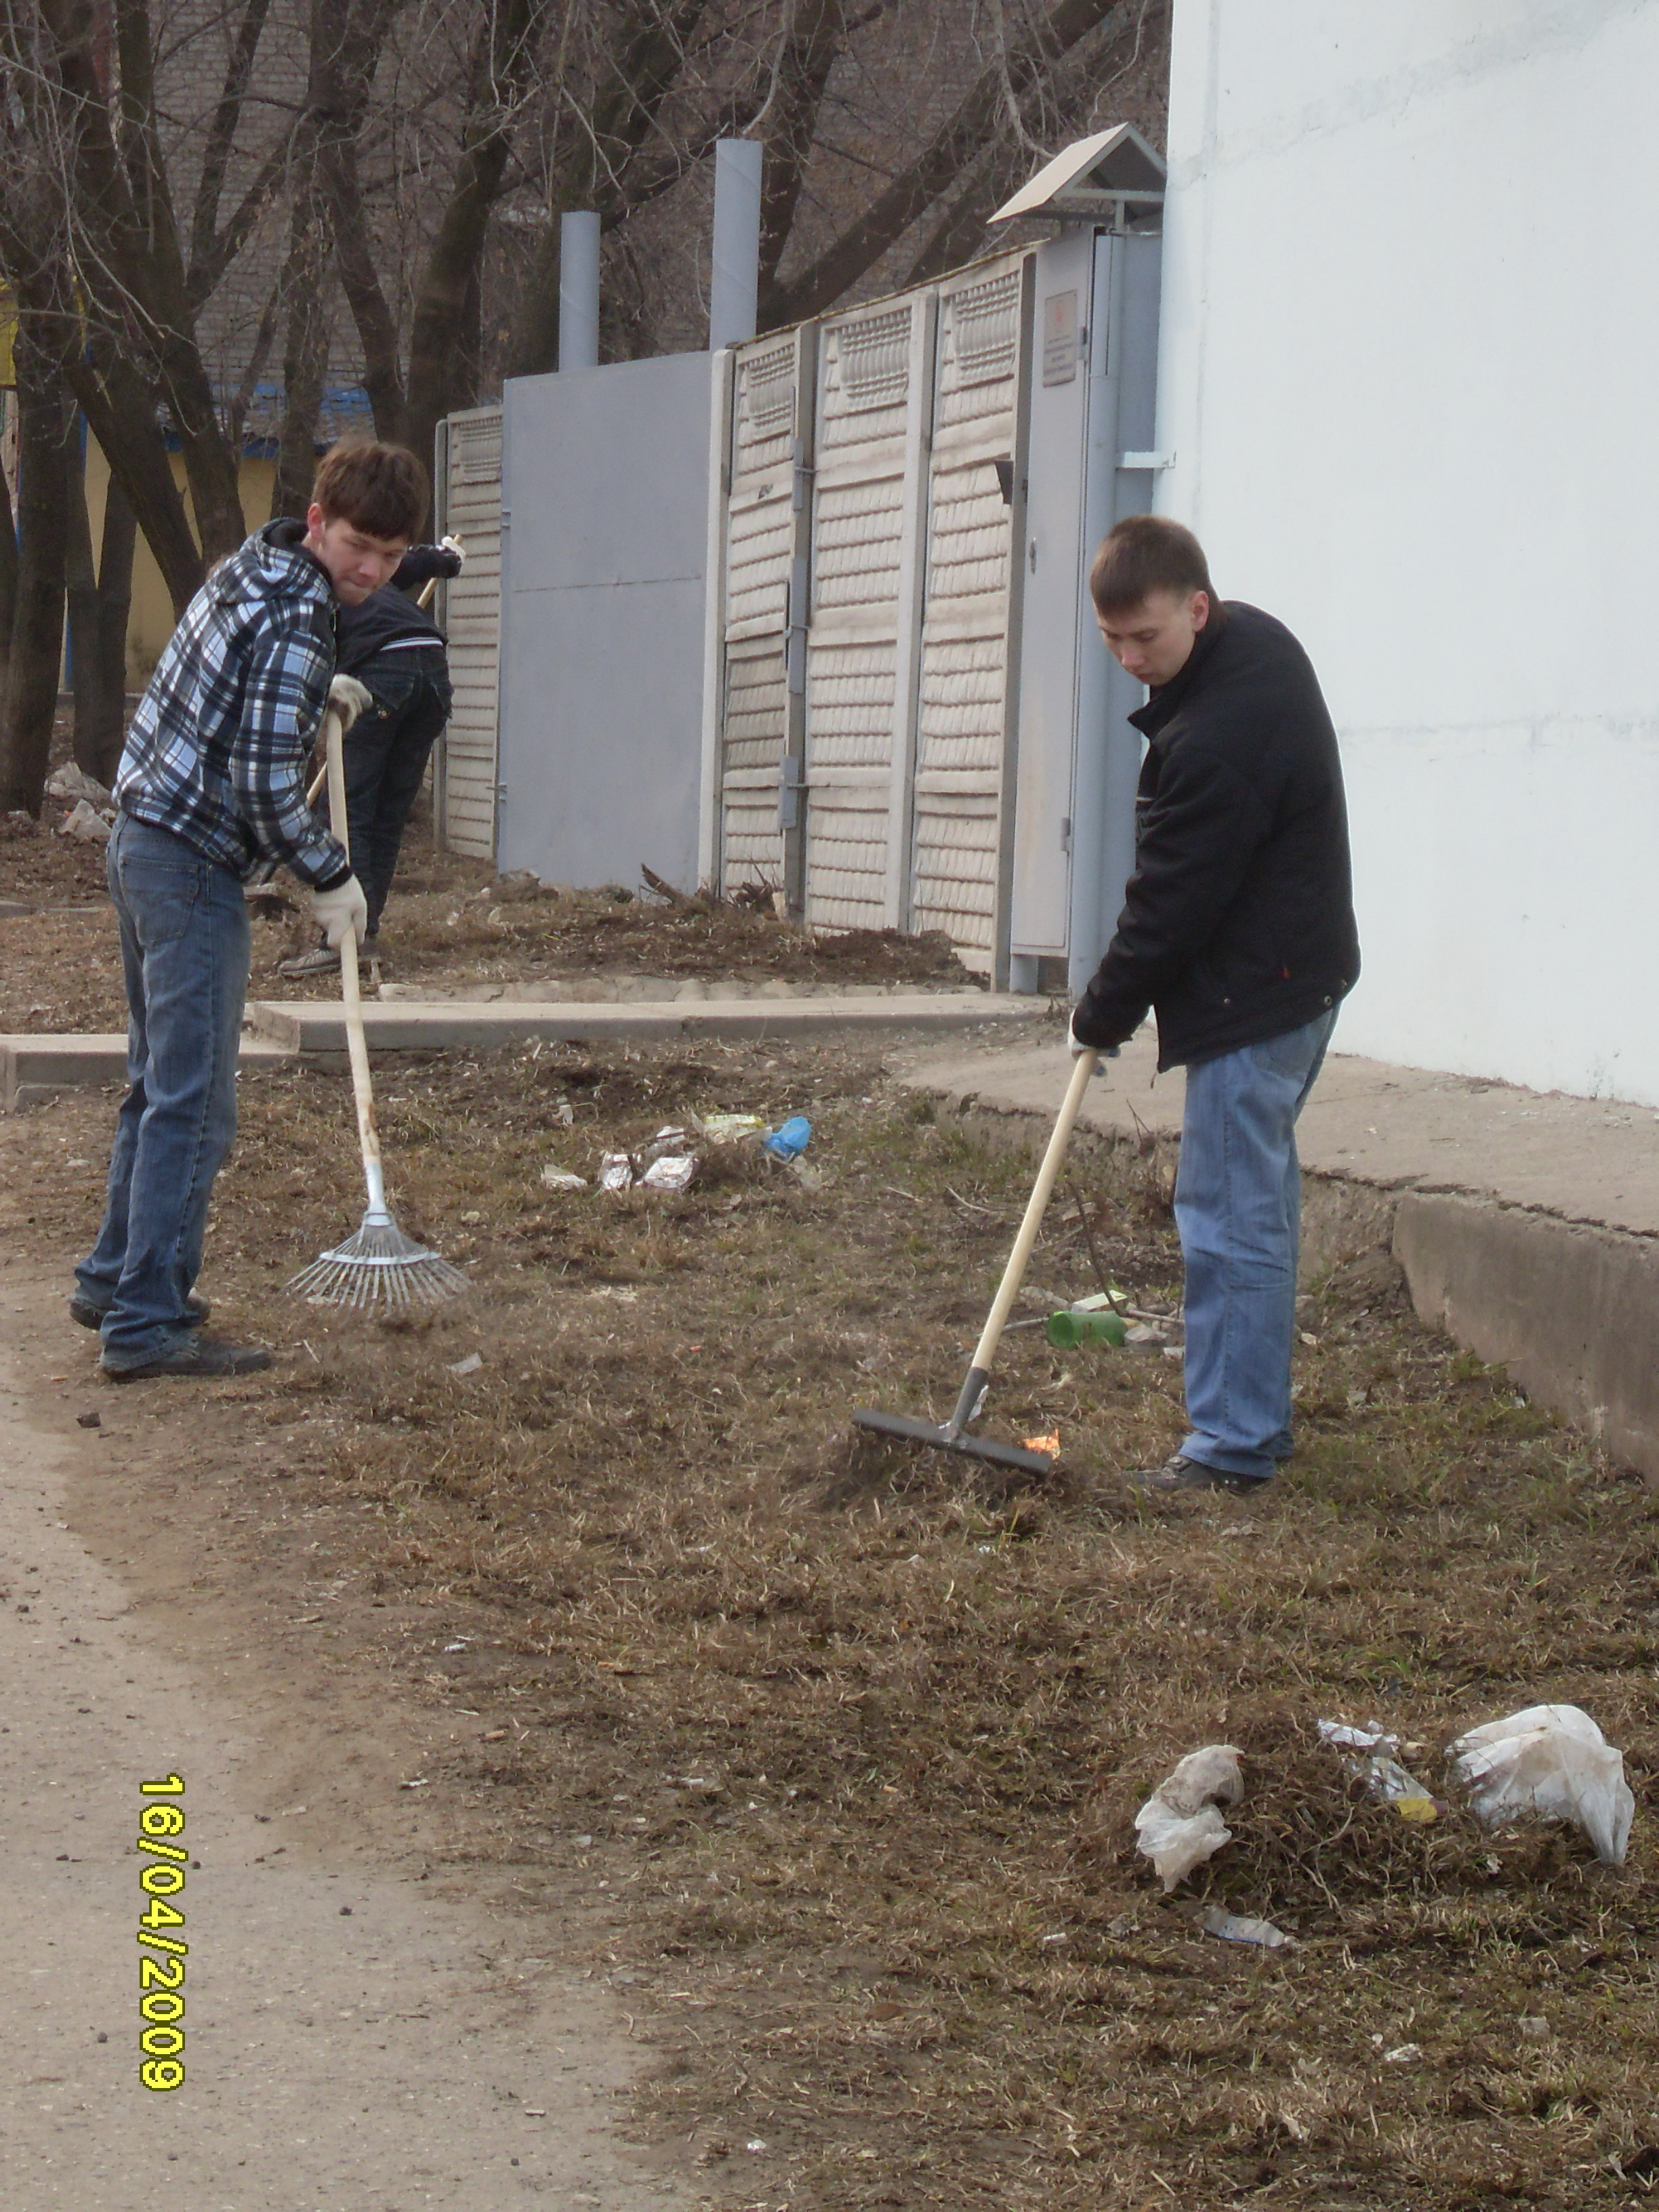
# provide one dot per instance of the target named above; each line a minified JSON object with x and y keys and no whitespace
{"x":734,"y":291}
{"x":578,"y":291}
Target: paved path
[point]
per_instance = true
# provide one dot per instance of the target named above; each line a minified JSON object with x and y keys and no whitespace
{"x":355,"y":2044}
{"x":1579,"y":1159}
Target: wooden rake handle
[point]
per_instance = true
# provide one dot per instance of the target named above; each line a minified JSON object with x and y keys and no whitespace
{"x":351,"y":997}
{"x":1014,"y":1274}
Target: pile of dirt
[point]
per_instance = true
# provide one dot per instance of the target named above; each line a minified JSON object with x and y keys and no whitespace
{"x":863,"y":1773}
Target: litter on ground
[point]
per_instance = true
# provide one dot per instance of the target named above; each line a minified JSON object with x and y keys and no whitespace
{"x":1551,"y":1762}
{"x":1179,"y":1827}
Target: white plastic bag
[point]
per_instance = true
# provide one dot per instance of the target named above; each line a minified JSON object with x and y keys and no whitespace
{"x":1551,"y":1761}
{"x":1179,"y":1827}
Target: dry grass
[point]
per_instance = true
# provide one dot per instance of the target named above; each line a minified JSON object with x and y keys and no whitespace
{"x":863,"y":1773}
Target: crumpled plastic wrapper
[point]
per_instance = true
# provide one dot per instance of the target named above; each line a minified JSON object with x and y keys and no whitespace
{"x":616,"y":1171}
{"x":1389,"y":1782}
{"x":670,"y":1171}
{"x":1179,"y":1826}
{"x":562,"y":1179}
{"x":731,"y":1129}
{"x":1237,"y":1928}
{"x":1553,"y":1762}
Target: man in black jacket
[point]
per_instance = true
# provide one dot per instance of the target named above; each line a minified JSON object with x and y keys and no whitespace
{"x":395,"y":649}
{"x":1237,"y":930}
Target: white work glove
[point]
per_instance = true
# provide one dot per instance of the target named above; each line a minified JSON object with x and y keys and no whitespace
{"x":454,"y":545}
{"x":342,"y":906}
{"x":1100,"y":1051}
{"x":348,"y":698}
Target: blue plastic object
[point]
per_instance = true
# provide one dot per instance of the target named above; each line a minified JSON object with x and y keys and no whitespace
{"x":788,"y":1141}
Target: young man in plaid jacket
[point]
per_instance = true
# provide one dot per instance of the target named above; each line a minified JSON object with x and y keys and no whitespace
{"x":210,"y":789}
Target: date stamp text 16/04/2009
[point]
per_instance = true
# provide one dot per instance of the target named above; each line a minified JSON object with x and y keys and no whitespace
{"x":162,"y":1934}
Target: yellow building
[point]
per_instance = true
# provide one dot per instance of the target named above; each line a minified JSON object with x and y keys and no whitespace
{"x":149,"y":625}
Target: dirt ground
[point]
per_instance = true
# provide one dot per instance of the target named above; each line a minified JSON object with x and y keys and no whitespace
{"x":843,"y":1749}
{"x":451,"y":923}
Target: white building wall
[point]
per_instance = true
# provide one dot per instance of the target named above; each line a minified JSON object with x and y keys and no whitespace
{"x":1411,"y":377}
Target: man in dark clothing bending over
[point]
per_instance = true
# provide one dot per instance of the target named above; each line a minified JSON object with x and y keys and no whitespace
{"x":394,"y":648}
{"x":1238,"y":929}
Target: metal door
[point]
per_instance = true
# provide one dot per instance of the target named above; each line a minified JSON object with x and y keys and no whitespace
{"x":768,"y":518}
{"x":1093,"y":394}
{"x":875,"y":388}
{"x":974,"y":489}
{"x":470,"y":505}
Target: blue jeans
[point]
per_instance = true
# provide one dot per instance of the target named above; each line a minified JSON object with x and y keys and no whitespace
{"x":1238,"y":1208}
{"x":184,"y":961}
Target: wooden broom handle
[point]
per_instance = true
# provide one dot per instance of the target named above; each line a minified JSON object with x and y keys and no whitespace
{"x":351,"y":997}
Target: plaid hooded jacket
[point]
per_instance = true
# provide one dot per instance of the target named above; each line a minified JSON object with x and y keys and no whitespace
{"x":217,"y":750}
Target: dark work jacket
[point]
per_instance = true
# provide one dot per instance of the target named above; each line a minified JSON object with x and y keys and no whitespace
{"x":390,"y":616}
{"x":1237,"y":924}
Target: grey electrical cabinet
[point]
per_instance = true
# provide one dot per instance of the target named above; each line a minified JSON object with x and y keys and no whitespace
{"x":1092,"y":401}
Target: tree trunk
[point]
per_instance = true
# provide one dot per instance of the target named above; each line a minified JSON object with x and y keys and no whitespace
{"x":80,"y":597}
{"x":45,"y":422}
{"x":305,"y":363}
{"x":8,"y":578}
{"x":100,"y":602}
{"x":121,"y":415}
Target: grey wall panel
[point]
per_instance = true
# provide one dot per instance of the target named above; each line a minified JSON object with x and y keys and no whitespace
{"x":605,"y":479}
{"x":469,"y":609}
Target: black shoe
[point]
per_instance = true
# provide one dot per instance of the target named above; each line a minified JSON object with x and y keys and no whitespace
{"x":205,"y":1356}
{"x":91,"y":1316}
{"x":1179,"y":1473}
{"x":323,"y":959}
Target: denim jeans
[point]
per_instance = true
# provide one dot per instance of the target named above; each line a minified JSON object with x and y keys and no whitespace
{"x":184,"y":961}
{"x":385,"y":756}
{"x":1238,"y":1208}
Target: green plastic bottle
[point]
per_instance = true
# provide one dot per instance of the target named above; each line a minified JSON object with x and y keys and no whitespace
{"x":1069,"y":1329}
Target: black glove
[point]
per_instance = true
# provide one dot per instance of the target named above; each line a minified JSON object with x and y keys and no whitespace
{"x":1088,"y":1035}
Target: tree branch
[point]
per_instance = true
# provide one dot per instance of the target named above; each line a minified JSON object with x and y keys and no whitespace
{"x":221,"y":142}
{"x":951,"y":150}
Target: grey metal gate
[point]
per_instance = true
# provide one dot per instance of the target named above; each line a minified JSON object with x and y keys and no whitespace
{"x":470,"y":505}
{"x":875,"y":388}
{"x":768,"y":519}
{"x":968,"y":634}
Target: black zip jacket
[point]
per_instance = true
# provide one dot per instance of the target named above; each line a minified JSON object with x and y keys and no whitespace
{"x":1237,"y":923}
{"x":389,"y":616}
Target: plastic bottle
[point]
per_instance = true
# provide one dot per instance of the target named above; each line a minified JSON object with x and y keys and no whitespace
{"x":790,"y":1140}
{"x":1066,"y":1330}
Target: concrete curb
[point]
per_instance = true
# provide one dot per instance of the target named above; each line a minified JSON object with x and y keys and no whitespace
{"x":35,"y":1069}
{"x":318,"y":1026}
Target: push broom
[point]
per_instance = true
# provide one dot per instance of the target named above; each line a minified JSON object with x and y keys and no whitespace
{"x":379,"y":1267}
{"x":954,"y":1435}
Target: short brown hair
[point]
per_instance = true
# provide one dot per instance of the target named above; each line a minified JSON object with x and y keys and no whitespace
{"x":1146,"y":553}
{"x":378,"y":490}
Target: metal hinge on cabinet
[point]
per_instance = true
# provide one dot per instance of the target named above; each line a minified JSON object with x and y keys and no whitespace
{"x":804,"y":474}
{"x":791,"y":782}
{"x":796,"y":617}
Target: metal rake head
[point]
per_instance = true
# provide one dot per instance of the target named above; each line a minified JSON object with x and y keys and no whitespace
{"x":379,"y":1267}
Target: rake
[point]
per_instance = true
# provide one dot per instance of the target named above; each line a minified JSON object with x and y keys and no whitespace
{"x":379,"y":1267}
{"x":955,"y":1435}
